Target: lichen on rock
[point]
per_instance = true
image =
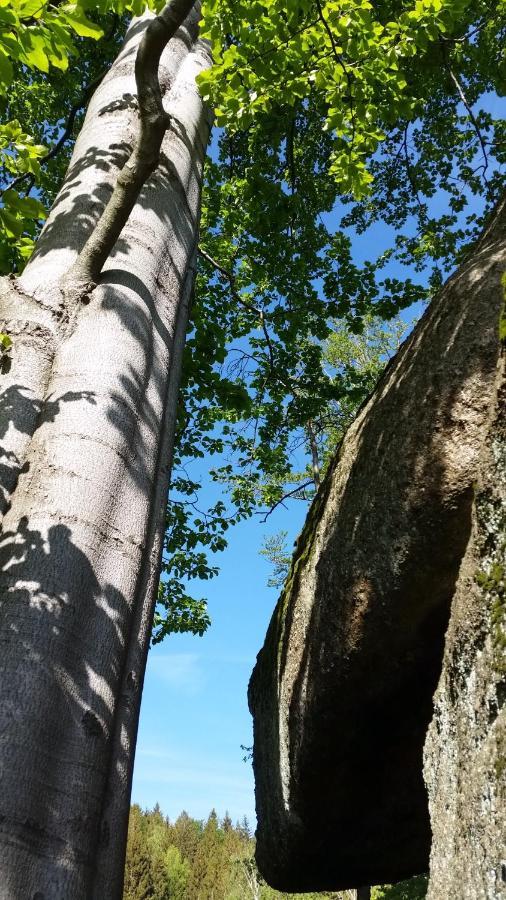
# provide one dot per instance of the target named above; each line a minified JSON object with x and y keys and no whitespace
{"x":465,"y":754}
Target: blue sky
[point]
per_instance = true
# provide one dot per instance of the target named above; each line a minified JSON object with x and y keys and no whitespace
{"x":194,"y":715}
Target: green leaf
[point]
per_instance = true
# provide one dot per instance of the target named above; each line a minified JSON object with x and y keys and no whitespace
{"x":59,"y":46}
{"x":13,"y":227}
{"x":27,"y":207}
{"x":30,"y":9}
{"x":6,"y":70}
{"x":80,"y":24}
{"x":7,"y":16}
{"x":34,"y":49}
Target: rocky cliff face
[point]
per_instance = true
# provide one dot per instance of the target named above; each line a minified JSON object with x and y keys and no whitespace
{"x":465,"y":751}
{"x":342,"y":693}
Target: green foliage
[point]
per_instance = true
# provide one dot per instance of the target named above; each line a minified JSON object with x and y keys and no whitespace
{"x":304,"y":93}
{"x":41,"y":43}
{"x":338,"y":116}
{"x":177,"y":873}
{"x":19,"y":216}
{"x":369,"y":66}
{"x":212,"y":860}
{"x":138,"y":877}
{"x":275,"y":550}
{"x":251,"y":406}
{"x":209,"y":870}
{"x":359,"y":360}
{"x":412,"y":889}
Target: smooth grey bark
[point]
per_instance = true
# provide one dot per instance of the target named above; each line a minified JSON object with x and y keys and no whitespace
{"x":86,"y":426}
{"x":342,"y":692}
{"x":145,"y":155}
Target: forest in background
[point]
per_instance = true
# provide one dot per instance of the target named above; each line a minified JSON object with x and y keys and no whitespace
{"x":190,"y":859}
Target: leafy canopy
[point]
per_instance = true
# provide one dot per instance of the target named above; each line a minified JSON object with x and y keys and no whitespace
{"x":38,"y":36}
{"x":336,"y":118}
{"x":300,"y":178}
{"x":368,"y":65}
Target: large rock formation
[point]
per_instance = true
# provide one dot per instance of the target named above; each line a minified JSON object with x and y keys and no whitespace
{"x":342,"y":691}
{"x":465,"y":751}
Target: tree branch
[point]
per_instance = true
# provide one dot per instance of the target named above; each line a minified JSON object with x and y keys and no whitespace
{"x":154,"y":122}
{"x":249,"y":306}
{"x":473,"y":119}
{"x":313,"y":446}
{"x":17,"y":180}
{"x":341,"y":62}
{"x":280,"y":502}
{"x":409,"y":172}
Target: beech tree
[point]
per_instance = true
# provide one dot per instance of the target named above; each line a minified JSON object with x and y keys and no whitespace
{"x":89,"y":404}
{"x":93,"y":331}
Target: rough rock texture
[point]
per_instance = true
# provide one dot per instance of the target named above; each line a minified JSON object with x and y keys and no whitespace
{"x":465,"y":752}
{"x":342,"y":691}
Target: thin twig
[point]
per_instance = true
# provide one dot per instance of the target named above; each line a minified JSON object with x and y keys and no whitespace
{"x":298,"y":72}
{"x":409,"y":172}
{"x":472,"y":117}
{"x":465,"y":37}
{"x":473,"y":120}
{"x":283,"y":43}
{"x":341,"y":62}
{"x":300,"y":487}
{"x":290,"y":160}
{"x":290,"y":164}
{"x":228,"y":275}
{"x":313,"y":446}
{"x":237,"y":296}
{"x":17,"y":180}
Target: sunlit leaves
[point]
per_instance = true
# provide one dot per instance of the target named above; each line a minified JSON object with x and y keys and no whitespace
{"x":358,"y":57}
{"x":75,"y":18}
{"x":18,"y":151}
{"x":19,"y":215}
{"x":343,"y":106}
{"x":177,"y":611}
{"x":37,"y":36}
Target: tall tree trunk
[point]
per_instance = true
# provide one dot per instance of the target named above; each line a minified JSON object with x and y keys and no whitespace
{"x":315,"y":461}
{"x":86,"y":427}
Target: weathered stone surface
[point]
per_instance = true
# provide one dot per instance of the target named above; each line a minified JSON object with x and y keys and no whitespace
{"x":465,"y":752}
{"x":342,"y":691}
